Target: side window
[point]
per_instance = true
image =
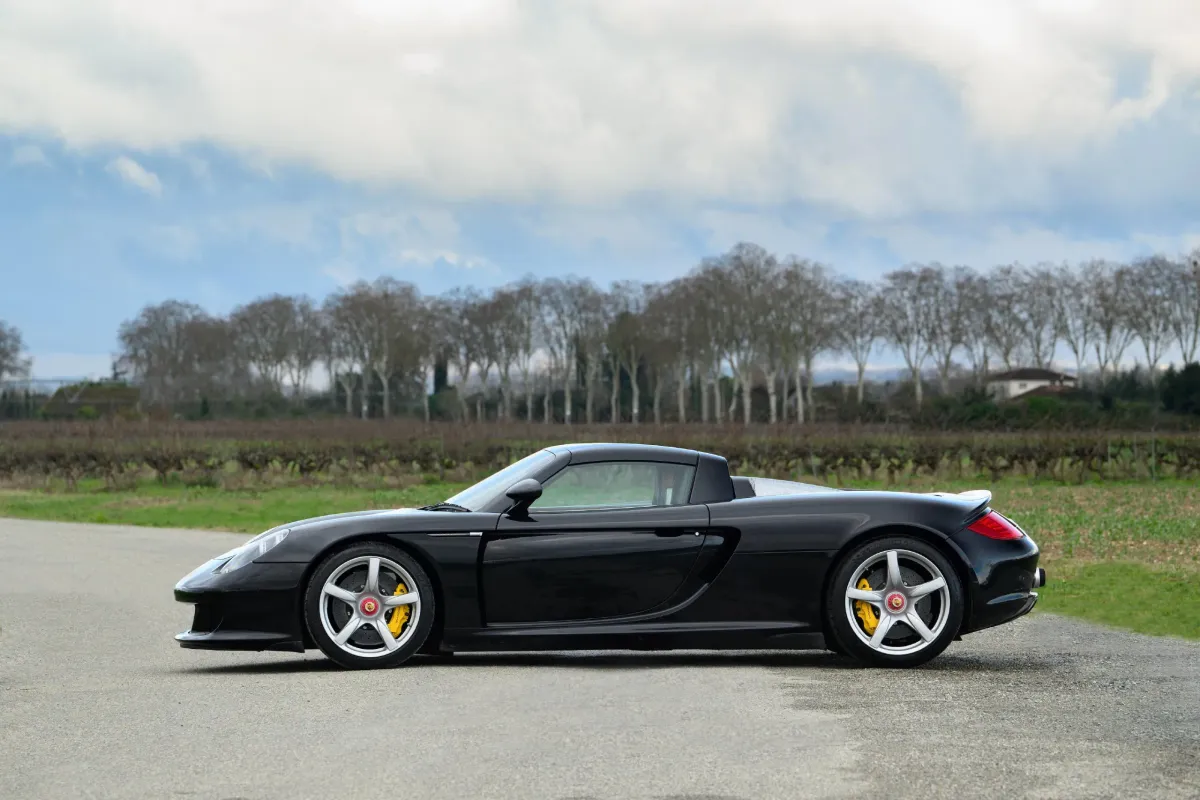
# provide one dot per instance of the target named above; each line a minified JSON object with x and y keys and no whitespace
{"x":617,"y":483}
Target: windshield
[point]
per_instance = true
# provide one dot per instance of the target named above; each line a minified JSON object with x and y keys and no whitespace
{"x":481,"y":494}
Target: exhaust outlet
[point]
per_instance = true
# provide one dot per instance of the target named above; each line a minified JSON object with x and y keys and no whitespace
{"x":1039,"y":577}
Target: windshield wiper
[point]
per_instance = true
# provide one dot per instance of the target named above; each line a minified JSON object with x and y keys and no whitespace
{"x":444,"y":507}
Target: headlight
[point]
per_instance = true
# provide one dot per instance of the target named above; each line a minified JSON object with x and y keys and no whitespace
{"x":253,"y":549}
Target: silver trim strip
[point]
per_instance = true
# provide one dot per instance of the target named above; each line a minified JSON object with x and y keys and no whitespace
{"x":472,"y":533}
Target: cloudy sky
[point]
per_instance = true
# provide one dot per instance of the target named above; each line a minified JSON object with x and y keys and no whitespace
{"x":219,"y":150}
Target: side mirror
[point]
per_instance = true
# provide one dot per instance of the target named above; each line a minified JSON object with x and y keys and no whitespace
{"x":523,"y":493}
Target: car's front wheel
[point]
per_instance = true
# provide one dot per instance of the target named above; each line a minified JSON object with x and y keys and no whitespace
{"x":369,"y":605}
{"x":895,"y":602}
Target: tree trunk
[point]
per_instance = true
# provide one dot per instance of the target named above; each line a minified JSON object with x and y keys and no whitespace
{"x":658,"y":389}
{"x":387,"y":393}
{"x":681,"y":391}
{"x":614,"y":401}
{"x":746,"y":402}
{"x":785,"y":396}
{"x":637,"y":396}
{"x":862,"y":380}
{"x":348,"y":386}
{"x":917,"y":393}
{"x":589,"y":396}
{"x":704,"y":399}
{"x":808,"y":388}
{"x":546,"y":402}
{"x":462,"y":394}
{"x":479,"y":407}
{"x":718,"y":399}
{"x":799,"y":395}
{"x":425,"y":393}
{"x":772,"y":393}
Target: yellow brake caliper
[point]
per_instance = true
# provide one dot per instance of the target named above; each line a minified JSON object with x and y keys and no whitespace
{"x":863,"y":610}
{"x":399,"y":613}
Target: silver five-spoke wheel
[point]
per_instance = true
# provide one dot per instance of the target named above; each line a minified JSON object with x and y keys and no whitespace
{"x":897,"y":602}
{"x":370,"y":606}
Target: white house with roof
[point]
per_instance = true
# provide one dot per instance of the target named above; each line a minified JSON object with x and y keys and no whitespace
{"x":1020,"y":382}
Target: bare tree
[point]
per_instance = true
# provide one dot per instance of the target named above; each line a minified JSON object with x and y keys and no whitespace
{"x":560,"y":329}
{"x":158,"y":349}
{"x":1006,"y":328}
{"x":776,"y":347}
{"x":306,"y":342}
{"x":974,"y":291}
{"x":1150,"y":284}
{"x":371,"y":320}
{"x":1105,"y":282}
{"x":264,"y":329}
{"x":12,"y":363}
{"x":809,"y":288}
{"x":1184,"y":305}
{"x":1036,"y":310}
{"x":464,"y":339}
{"x":526,"y":336}
{"x":627,"y":336}
{"x":857,"y":326}
{"x":1074,"y":304}
{"x":943,"y":315}
{"x":593,"y":309}
{"x":905,"y":317}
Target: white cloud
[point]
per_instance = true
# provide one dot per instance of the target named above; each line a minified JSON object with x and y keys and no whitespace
{"x":28,"y":155}
{"x":875,"y":108}
{"x":135,"y":175}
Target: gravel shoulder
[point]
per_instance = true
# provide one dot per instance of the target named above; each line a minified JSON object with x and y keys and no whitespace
{"x":96,"y":700}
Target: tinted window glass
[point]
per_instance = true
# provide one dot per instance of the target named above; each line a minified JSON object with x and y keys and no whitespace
{"x":618,"y":483}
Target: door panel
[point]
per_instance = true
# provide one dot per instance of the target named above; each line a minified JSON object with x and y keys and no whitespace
{"x":588,"y":565}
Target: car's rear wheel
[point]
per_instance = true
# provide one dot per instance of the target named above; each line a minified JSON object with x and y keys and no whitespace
{"x":895,"y":602}
{"x":369,"y":605}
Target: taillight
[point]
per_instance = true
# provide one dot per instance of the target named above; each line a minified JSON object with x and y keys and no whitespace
{"x":994,"y":526}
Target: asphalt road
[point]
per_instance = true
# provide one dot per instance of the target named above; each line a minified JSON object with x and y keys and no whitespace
{"x":96,"y":700}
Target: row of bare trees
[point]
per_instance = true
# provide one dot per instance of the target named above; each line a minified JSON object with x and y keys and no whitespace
{"x":738,"y":321}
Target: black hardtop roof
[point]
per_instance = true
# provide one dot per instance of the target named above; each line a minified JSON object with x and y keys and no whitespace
{"x":584,"y":452}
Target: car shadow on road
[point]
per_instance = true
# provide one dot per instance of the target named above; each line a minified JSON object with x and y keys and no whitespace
{"x":622,"y":660}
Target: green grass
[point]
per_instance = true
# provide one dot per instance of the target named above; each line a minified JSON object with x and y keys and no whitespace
{"x":1161,"y":602}
{"x":1121,"y":554}
{"x":241,"y":510}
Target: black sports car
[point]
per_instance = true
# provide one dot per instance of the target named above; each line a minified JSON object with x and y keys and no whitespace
{"x":624,"y":546}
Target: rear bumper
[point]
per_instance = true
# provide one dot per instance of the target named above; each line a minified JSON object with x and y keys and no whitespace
{"x":1004,"y":575}
{"x":256,"y":607}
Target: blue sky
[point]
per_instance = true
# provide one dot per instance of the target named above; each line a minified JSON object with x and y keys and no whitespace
{"x":217,"y":153}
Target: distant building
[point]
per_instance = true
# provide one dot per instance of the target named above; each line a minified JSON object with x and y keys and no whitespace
{"x":1021,"y":382}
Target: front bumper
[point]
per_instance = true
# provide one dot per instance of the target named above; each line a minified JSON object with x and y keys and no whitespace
{"x":256,"y":607}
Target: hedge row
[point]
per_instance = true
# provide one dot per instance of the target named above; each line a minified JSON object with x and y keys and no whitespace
{"x":830,"y":458}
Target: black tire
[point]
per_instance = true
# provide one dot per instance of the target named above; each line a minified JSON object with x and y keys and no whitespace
{"x":911,"y":649}
{"x":425,"y":613}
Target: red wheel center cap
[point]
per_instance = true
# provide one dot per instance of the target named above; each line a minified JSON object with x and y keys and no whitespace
{"x":895,"y":601}
{"x":369,"y":606}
